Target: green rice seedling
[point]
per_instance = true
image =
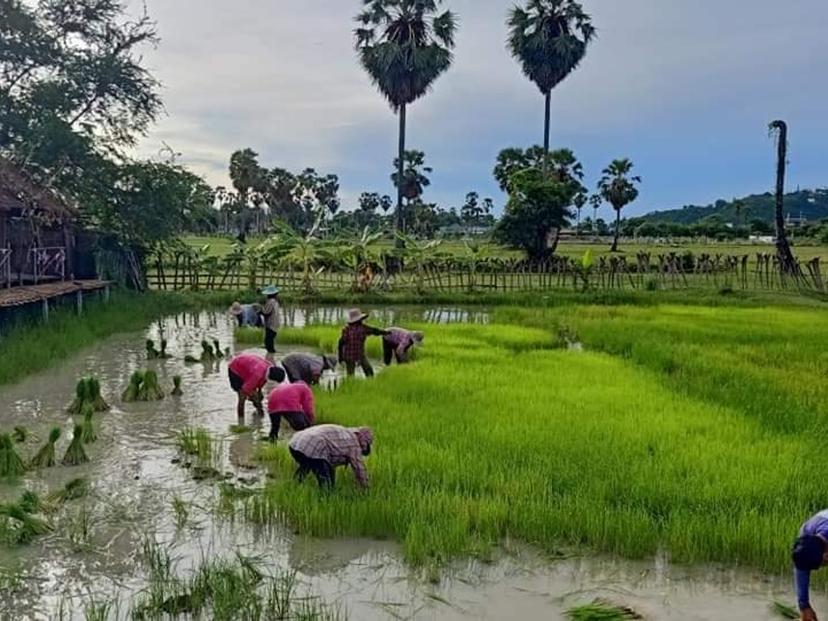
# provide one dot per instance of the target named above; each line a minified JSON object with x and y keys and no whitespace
{"x":75,"y":455}
{"x":185,"y":440}
{"x":240,"y":429}
{"x":73,"y":490}
{"x":217,"y":350}
{"x":88,"y":435}
{"x":21,"y":527}
{"x":188,"y":359}
{"x":81,"y":396}
{"x":150,"y":390}
{"x":176,"y":391}
{"x":784,"y":611}
{"x":207,"y":353}
{"x":30,"y":502}
{"x":20,"y":434}
{"x":11,"y":465}
{"x":99,"y":610}
{"x":152,"y":353}
{"x":601,"y":611}
{"x":164,"y":355}
{"x":181,"y":511}
{"x":95,"y":397}
{"x":45,"y":457}
{"x":133,"y":390}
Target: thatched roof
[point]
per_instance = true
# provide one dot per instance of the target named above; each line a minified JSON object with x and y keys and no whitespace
{"x":18,"y":190}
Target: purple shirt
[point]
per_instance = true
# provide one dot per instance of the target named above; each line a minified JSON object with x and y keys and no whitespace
{"x":816,"y":526}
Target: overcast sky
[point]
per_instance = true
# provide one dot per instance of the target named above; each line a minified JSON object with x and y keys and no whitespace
{"x":685,"y":88}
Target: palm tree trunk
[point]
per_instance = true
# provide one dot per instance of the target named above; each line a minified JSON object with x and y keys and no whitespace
{"x":617,"y":231}
{"x":783,"y":248}
{"x":400,"y":170}
{"x":546,"y":129}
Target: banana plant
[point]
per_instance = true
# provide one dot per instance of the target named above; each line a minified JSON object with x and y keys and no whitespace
{"x":358,"y":255}
{"x":475,"y":253}
{"x":419,"y":253}
{"x":289,"y":248}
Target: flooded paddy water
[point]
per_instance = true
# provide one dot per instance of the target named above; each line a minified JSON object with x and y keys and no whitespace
{"x":93,"y":552}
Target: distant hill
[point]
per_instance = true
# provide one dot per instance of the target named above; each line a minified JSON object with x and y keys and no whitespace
{"x":809,"y":204}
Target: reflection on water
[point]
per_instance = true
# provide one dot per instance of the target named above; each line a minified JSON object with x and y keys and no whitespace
{"x":92,"y":551}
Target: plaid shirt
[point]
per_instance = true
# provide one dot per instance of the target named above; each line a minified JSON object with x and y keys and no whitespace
{"x":352,"y":342}
{"x":339,"y":446}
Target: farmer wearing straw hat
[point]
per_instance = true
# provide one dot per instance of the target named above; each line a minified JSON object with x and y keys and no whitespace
{"x":271,"y":317}
{"x":397,"y":343}
{"x":247,"y":314}
{"x":307,"y":368}
{"x":810,"y":552}
{"x":322,"y":448}
{"x":248,"y":375}
{"x":352,"y":342}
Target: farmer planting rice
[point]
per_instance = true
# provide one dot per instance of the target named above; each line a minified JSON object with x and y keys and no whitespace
{"x":271,"y":318}
{"x":247,"y":315}
{"x":294,"y":403}
{"x":352,"y":342}
{"x":307,"y":368}
{"x":397,"y":342}
{"x":248,"y":375}
{"x":322,"y":449}
{"x":810,"y":552}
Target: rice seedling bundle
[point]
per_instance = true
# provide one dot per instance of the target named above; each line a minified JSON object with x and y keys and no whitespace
{"x":95,"y":397}
{"x":88,"y":434}
{"x":133,"y":390}
{"x":150,"y":390}
{"x":152,"y":353}
{"x":75,"y":454}
{"x":602,"y":611}
{"x":20,"y":434}
{"x":217,"y":350}
{"x":30,"y":502}
{"x":10,"y":463}
{"x":22,"y":527}
{"x":88,"y":391}
{"x":188,"y":359}
{"x":73,"y":490}
{"x":164,"y":355}
{"x":81,"y":389}
{"x":45,"y":457}
{"x":176,"y":391}
{"x":207,"y":354}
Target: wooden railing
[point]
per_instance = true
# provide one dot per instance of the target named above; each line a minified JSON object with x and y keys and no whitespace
{"x":48,"y":262}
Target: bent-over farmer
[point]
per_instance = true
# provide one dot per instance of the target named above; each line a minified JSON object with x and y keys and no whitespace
{"x":397,"y":342}
{"x":323,"y":448}
{"x":352,"y":342}
{"x":307,"y":368}
{"x":271,"y":317}
{"x":248,"y":375}
{"x":247,"y":315}
{"x":810,"y":552}
{"x":294,"y":403}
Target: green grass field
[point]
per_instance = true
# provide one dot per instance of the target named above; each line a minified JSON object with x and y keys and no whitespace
{"x":690,"y":430}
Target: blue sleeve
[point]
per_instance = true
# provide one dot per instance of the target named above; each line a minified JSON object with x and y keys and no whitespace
{"x":803,"y":582}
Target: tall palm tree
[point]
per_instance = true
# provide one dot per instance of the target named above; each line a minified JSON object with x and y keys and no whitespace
{"x":246,"y":174}
{"x":619,"y":189}
{"x":787,"y":262}
{"x":549,"y":38}
{"x":404,"y":46}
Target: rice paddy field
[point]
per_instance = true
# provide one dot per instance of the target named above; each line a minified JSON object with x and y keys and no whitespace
{"x":558,"y":462}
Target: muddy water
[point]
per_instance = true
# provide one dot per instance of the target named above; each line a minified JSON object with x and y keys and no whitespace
{"x":92,"y":552}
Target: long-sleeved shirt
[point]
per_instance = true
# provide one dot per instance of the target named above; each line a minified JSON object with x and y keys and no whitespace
{"x":252,"y":370}
{"x":352,"y":341}
{"x":271,"y":314}
{"x":249,"y":315}
{"x":296,"y":397}
{"x":816,"y":526}
{"x":339,"y":446}
{"x":305,"y":367}
{"x":400,"y":339}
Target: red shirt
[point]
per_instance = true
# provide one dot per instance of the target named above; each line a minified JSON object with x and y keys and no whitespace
{"x":296,"y":397}
{"x":253,"y":370}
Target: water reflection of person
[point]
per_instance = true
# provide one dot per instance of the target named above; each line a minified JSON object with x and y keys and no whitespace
{"x":810,"y":552}
{"x":248,"y":375}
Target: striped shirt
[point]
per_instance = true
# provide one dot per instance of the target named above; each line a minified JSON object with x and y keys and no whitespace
{"x":339,"y":446}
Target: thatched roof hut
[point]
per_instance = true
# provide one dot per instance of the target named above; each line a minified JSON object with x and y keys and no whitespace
{"x":21,"y":193}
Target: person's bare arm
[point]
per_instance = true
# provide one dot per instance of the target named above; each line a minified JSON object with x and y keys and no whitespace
{"x":257,"y":398}
{"x":240,"y":406}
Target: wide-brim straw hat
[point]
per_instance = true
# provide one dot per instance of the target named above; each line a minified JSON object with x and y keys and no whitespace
{"x":270,"y":290}
{"x":355,"y":315}
{"x":236,"y":309}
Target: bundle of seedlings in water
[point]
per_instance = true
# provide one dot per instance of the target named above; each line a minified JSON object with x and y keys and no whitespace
{"x":88,"y":391}
{"x":600,"y":610}
{"x":21,"y":525}
{"x":88,"y":435}
{"x":152,"y":353}
{"x":150,"y":390}
{"x":207,"y":353}
{"x":73,"y":490}
{"x":10,"y":463}
{"x":20,"y":434}
{"x":784,"y":611}
{"x":75,"y":455}
{"x":176,"y":391}
{"x":164,"y":355}
{"x":217,"y":350}
{"x":45,"y":457}
{"x":133,"y":391}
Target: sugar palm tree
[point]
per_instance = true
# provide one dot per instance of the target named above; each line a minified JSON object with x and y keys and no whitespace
{"x":404,"y":46}
{"x":549,"y":38}
{"x":787,"y":262}
{"x":619,"y":189}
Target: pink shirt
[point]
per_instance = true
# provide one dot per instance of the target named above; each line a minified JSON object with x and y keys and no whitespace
{"x":253,"y":371}
{"x":296,"y":397}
